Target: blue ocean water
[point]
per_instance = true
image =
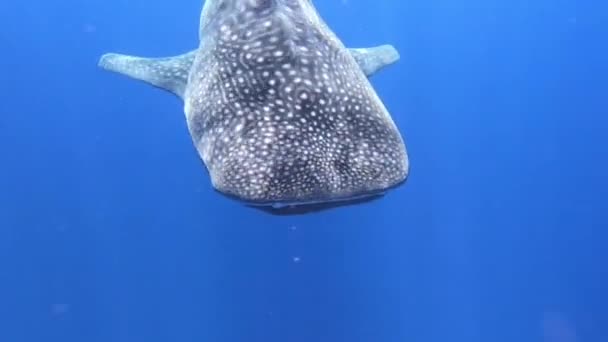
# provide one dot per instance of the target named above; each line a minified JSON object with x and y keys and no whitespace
{"x":110,"y":231}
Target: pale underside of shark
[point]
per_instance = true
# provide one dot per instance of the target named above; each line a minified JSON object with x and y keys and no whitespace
{"x":280,"y":111}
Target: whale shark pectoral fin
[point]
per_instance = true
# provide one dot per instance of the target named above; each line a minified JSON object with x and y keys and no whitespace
{"x":168,"y":73}
{"x":171,"y":73}
{"x":372,"y":59}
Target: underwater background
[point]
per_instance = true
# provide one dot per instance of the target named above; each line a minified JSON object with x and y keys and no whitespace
{"x":110,"y":230}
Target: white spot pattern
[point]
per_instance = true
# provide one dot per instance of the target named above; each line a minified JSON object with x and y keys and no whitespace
{"x":281,"y":113}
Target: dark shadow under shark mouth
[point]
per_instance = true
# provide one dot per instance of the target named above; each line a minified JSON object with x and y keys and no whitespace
{"x":313,"y":207}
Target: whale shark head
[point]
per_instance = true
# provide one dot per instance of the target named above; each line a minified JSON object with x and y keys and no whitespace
{"x":281,"y":112}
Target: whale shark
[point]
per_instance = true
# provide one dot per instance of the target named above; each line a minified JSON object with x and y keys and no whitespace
{"x":281,"y":112}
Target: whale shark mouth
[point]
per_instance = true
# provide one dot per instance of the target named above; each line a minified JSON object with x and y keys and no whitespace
{"x":306,"y":207}
{"x":286,"y":208}
{"x":287,"y":204}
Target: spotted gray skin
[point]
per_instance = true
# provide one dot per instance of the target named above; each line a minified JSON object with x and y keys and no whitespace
{"x":280,"y":111}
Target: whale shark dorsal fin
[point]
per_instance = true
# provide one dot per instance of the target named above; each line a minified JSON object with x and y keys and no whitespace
{"x":168,"y":73}
{"x":171,"y":73}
